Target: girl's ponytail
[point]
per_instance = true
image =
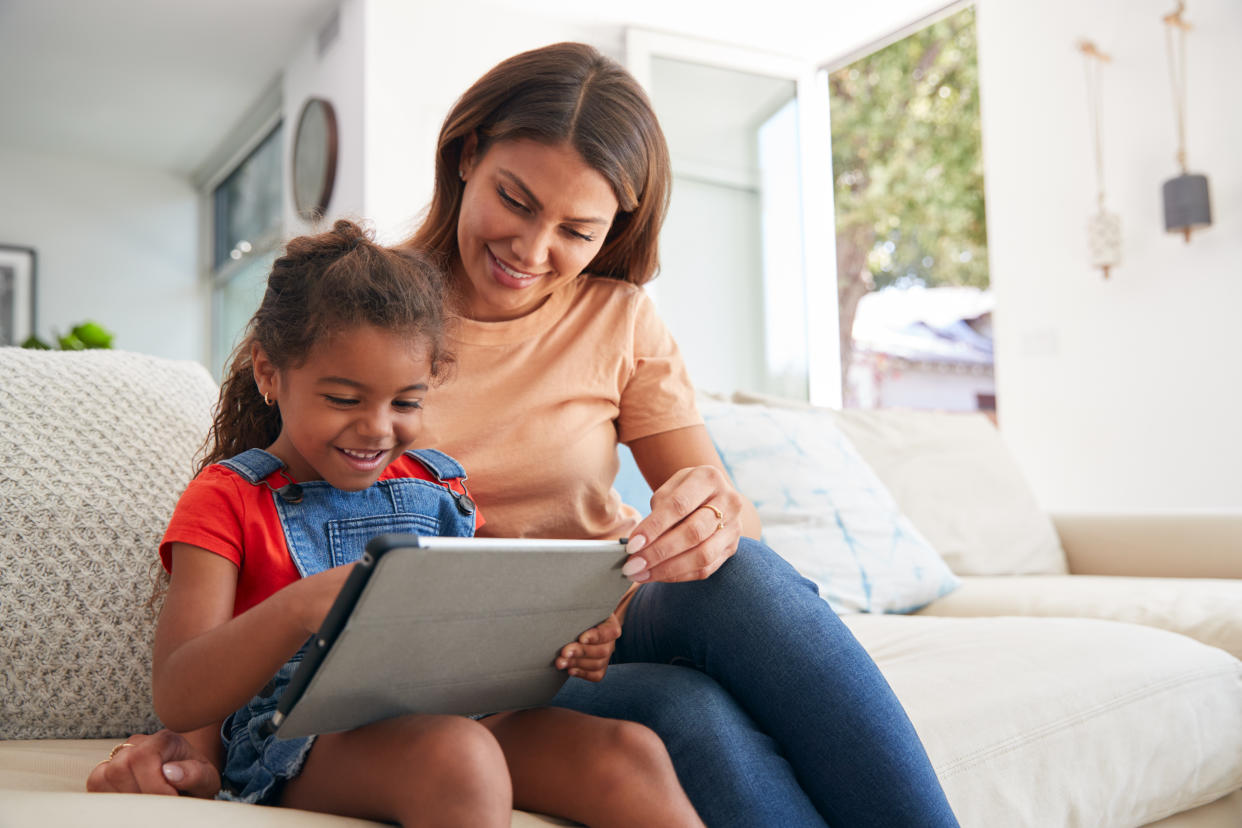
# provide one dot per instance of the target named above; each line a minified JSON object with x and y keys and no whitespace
{"x":243,"y":419}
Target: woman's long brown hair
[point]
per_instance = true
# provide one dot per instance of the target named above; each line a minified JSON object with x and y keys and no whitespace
{"x":567,"y":93}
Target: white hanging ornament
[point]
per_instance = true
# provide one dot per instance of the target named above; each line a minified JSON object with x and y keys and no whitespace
{"x":1104,"y":228}
{"x":1104,"y":240}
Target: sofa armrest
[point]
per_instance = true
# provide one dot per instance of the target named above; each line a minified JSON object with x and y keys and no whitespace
{"x":1160,"y":545}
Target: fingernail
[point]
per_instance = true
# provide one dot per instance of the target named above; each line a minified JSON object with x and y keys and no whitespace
{"x":173,"y":773}
{"x":636,"y":543}
{"x":634,"y":564}
{"x":640,"y":577}
{"x":585,"y":639}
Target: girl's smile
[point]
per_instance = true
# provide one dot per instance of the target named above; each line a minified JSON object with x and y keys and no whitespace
{"x":352,"y":408}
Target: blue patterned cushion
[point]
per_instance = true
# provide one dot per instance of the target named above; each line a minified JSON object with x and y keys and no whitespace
{"x":824,"y":510}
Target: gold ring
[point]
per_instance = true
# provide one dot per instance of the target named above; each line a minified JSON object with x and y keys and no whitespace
{"x":113,"y":752}
{"x":719,"y":515}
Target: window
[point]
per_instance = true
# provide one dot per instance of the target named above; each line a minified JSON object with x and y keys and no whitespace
{"x":247,"y":213}
{"x":912,"y":271}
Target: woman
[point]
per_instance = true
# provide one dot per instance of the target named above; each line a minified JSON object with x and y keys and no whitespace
{"x":552,"y":180}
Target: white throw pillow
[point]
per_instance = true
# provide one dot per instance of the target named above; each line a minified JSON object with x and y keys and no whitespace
{"x":957,"y":481}
{"x":824,"y":510}
{"x":955,"y":478}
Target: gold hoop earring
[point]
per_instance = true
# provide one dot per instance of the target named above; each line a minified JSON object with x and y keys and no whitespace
{"x":267,"y":399}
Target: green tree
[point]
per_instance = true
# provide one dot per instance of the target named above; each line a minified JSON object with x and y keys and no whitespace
{"x":907,"y":162}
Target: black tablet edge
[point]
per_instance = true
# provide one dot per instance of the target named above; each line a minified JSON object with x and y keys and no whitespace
{"x":335,"y":620}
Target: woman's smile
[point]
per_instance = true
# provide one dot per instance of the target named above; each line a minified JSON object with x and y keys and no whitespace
{"x":509,"y":276}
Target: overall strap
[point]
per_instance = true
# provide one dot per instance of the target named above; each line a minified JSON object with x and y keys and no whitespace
{"x":439,"y":464}
{"x":445,"y":468}
{"x":255,"y":465}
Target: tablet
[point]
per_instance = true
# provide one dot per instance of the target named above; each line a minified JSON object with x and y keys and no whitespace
{"x":449,"y":625}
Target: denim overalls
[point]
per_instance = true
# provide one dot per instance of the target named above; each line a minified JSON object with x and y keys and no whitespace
{"x":326,"y":527}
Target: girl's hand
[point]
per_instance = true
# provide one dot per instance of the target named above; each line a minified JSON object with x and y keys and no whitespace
{"x":693,"y":528}
{"x":316,"y":595}
{"x":588,"y":656}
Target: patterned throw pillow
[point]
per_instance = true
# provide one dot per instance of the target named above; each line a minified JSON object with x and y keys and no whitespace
{"x":824,"y":510}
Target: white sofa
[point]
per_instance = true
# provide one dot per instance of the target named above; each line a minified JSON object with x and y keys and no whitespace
{"x":1050,"y":687}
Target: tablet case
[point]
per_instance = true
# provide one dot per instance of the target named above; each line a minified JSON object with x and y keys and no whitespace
{"x":449,"y":625}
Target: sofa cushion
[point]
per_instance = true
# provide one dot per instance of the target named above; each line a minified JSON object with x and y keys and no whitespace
{"x":1067,"y":722}
{"x":957,"y":481}
{"x":1209,"y":610}
{"x":824,"y":510}
{"x":97,"y":446}
{"x":42,"y":783}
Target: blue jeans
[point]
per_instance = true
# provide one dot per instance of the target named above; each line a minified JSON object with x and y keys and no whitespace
{"x":797,"y":726}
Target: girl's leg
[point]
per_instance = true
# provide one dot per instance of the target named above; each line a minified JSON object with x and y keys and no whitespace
{"x":413,"y":770}
{"x":732,"y":771}
{"x":600,"y":772}
{"x":761,"y":631}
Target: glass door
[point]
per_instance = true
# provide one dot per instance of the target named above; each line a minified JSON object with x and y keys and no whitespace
{"x":747,"y":281}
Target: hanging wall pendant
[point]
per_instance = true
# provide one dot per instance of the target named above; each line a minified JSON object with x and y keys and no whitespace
{"x":1104,"y":240}
{"x":1104,"y":228}
{"x":1187,"y":204}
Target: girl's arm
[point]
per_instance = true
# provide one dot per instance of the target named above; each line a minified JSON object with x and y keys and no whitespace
{"x":207,"y":663}
{"x":681,"y":540}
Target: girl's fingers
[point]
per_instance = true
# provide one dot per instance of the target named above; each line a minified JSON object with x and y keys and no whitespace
{"x":588,"y":663}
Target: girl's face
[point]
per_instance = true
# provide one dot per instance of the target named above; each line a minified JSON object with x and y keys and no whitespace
{"x":352,"y":408}
{"x":533,"y":216}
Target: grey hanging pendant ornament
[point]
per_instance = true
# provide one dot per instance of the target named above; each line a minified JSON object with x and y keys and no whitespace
{"x":1104,"y":228}
{"x":1187,"y":204}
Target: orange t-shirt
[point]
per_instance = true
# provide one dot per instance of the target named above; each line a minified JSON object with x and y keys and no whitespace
{"x":222,"y":512}
{"x":536,"y":406}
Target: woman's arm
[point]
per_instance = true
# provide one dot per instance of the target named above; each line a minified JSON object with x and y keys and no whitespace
{"x":683,"y":539}
{"x":207,"y":663}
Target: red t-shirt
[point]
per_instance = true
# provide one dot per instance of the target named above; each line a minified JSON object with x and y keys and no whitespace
{"x":222,"y":512}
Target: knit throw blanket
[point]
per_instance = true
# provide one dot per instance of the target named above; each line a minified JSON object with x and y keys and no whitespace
{"x":95,"y":449}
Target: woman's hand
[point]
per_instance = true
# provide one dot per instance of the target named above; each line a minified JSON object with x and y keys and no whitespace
{"x":588,"y":656}
{"x":695,"y":522}
{"x":162,"y":763}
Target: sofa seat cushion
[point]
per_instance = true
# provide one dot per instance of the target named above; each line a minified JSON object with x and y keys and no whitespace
{"x":43,"y":783}
{"x":1067,"y":722}
{"x":1205,"y":609}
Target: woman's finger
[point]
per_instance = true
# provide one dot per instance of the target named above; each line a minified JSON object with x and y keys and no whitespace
{"x":708,"y":532}
{"x":698,"y":562}
{"x":680,"y":495}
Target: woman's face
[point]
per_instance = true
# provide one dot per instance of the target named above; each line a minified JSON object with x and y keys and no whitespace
{"x":532,"y":218}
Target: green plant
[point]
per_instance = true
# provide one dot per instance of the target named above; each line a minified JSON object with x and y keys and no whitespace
{"x":81,"y":337}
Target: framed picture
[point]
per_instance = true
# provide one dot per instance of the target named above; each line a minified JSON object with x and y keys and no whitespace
{"x":18,"y":278}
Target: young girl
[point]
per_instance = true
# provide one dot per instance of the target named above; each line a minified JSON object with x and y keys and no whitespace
{"x":309,"y":456}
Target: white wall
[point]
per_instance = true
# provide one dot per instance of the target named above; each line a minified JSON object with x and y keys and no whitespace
{"x":116,"y":244}
{"x":1125,"y":393}
{"x":338,"y":76}
{"x":420,"y":56}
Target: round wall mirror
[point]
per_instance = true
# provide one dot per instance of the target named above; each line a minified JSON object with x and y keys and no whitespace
{"x":314,"y":158}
